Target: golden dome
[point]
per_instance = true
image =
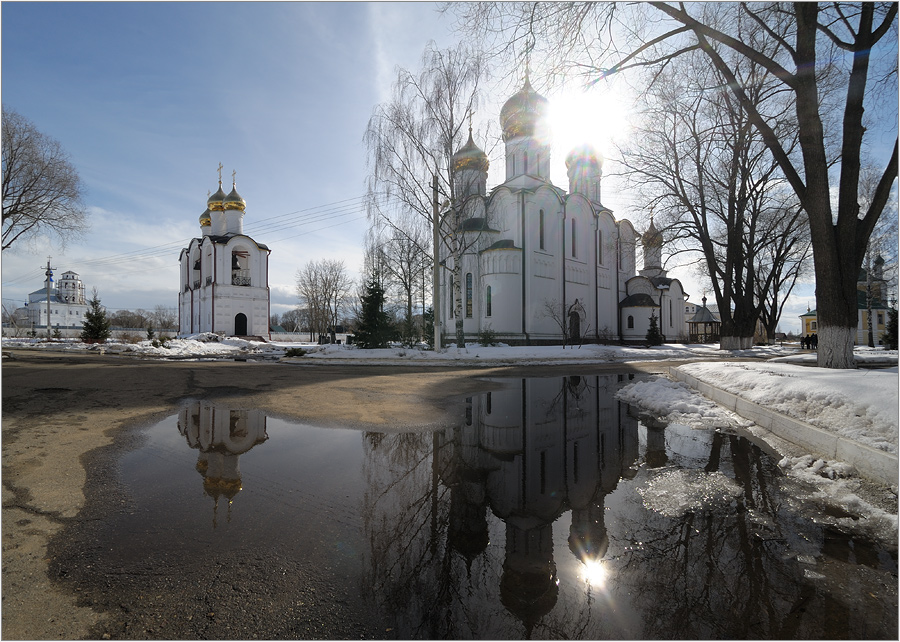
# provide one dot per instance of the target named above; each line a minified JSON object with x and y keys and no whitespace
{"x":205,"y":218}
{"x":652,"y":237}
{"x":584,"y":154}
{"x":522,"y":113}
{"x":234,"y":201}
{"x":215,"y":201}
{"x":470,"y":156}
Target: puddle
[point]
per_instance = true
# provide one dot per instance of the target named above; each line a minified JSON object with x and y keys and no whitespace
{"x":550,"y":511}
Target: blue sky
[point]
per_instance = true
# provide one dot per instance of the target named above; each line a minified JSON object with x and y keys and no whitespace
{"x":148,"y":99}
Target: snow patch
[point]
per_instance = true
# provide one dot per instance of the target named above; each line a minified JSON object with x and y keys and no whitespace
{"x":676,"y":493}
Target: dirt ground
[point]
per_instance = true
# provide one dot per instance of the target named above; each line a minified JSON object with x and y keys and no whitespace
{"x":59,"y":407}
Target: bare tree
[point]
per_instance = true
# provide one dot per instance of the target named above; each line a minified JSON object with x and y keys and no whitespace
{"x":164,"y":318}
{"x":323,"y":287}
{"x":402,"y":261}
{"x":42,"y":192}
{"x":699,"y":163}
{"x":881,"y":254}
{"x":833,"y":60}
{"x":291,"y":320}
{"x":411,"y":140}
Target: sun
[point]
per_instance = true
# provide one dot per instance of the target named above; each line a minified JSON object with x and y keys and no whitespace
{"x":597,"y":116}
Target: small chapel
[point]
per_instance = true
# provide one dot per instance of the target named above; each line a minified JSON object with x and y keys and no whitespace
{"x":541,"y":263}
{"x":224,"y":273}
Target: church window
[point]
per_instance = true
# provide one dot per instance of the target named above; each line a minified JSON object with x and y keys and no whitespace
{"x":670,"y":313}
{"x":450,"y":298}
{"x":599,"y":247}
{"x":487,"y":302}
{"x":468,"y":294}
{"x":574,"y":239}
{"x":525,"y":170}
{"x":541,"y":230}
{"x":630,"y":322}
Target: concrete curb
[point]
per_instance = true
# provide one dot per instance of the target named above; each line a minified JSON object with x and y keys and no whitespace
{"x":873,"y":464}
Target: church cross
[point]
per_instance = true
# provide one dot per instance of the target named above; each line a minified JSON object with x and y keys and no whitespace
{"x":220,"y":173}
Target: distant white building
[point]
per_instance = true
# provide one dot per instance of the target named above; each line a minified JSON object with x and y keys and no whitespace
{"x":540,"y":258}
{"x":67,"y":305}
{"x":224,"y":274}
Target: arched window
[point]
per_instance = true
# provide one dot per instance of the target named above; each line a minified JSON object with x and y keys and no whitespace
{"x":630,"y":322}
{"x":574,"y":240}
{"x":670,"y":313}
{"x":468,"y":294}
{"x":541,"y":229}
{"x":525,"y":170}
{"x":599,"y":247}
{"x":487,"y":301}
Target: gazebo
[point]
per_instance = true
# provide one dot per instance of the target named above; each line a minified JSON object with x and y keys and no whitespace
{"x":704,"y":327}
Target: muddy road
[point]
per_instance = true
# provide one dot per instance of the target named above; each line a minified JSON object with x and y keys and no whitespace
{"x":66,"y":417}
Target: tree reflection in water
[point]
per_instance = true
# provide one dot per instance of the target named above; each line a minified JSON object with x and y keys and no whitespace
{"x":465,"y":529}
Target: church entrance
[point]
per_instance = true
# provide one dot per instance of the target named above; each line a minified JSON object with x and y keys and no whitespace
{"x":574,"y":325}
{"x":240,"y":324}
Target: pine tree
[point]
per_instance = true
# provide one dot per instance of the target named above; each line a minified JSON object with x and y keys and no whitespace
{"x":654,"y":338}
{"x":428,"y":329}
{"x":96,"y":326}
{"x":374,"y":328}
{"x":890,"y":332}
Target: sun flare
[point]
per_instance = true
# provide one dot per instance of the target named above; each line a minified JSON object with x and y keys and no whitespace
{"x":598,"y":117}
{"x":594,"y":573}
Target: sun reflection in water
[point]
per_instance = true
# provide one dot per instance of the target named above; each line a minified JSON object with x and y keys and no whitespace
{"x":594,"y":573}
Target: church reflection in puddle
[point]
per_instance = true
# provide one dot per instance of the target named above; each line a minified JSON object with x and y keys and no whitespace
{"x":222,"y":435}
{"x":525,"y":456}
{"x":549,"y":511}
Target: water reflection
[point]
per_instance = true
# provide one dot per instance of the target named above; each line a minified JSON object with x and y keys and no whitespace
{"x":221,"y":434}
{"x":550,"y":511}
{"x":554,"y":512}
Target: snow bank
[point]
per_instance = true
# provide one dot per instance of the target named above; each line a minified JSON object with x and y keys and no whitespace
{"x":677,"y":402}
{"x":861,"y":405}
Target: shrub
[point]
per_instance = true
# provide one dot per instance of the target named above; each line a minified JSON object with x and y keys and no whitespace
{"x":487,"y":337}
{"x":295,"y":352}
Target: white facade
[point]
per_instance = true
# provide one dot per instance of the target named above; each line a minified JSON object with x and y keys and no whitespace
{"x":538,"y":259}
{"x":67,"y":305}
{"x":224,"y":274}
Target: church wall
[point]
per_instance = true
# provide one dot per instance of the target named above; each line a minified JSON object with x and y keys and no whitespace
{"x":500,"y":271}
{"x":641,"y":323}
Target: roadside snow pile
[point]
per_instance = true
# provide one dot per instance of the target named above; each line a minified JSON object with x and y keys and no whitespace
{"x":857,"y":404}
{"x":676,"y":402}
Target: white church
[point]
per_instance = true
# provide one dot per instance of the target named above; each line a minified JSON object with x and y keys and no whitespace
{"x":224,"y":274}
{"x":66,"y":310}
{"x":539,"y":257}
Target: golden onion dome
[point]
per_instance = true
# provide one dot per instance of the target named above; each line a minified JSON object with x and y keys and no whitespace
{"x":234,"y":201}
{"x":652,"y":237}
{"x":205,"y":218}
{"x":585,"y":154}
{"x":215,"y":201}
{"x":521,"y":114}
{"x":470,"y":156}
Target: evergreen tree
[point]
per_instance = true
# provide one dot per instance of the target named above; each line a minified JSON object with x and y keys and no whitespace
{"x":374,"y":326}
{"x":428,"y":329}
{"x":96,"y":327}
{"x":654,"y":338}
{"x":890,"y":332}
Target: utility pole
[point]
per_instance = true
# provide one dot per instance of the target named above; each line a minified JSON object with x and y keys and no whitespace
{"x":435,"y":298}
{"x":49,"y":274}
